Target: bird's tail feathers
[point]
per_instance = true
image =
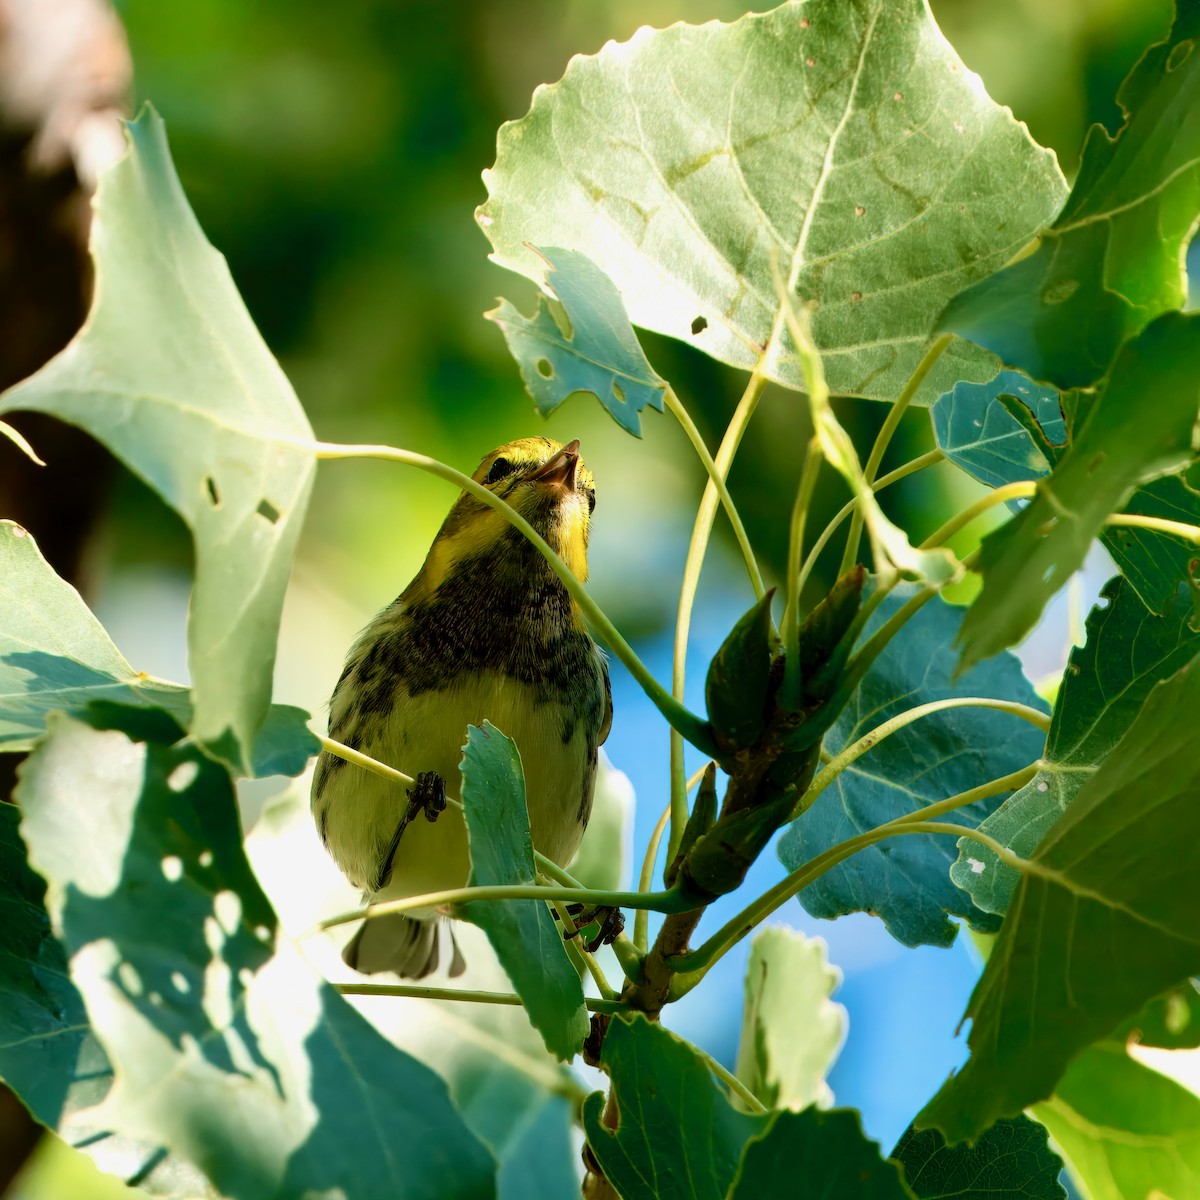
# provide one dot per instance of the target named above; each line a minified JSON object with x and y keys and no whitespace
{"x":403,"y":944}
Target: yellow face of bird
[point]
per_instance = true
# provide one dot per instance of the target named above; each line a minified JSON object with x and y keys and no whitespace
{"x":546,"y":482}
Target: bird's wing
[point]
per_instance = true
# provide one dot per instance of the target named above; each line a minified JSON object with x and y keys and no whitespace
{"x":606,"y":719}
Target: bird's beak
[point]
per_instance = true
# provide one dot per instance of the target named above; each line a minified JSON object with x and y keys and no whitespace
{"x":561,"y":467}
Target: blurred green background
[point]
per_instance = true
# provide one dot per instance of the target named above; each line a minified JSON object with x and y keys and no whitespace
{"x":333,"y":153}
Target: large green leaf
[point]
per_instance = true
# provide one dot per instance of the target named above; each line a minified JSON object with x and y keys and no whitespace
{"x":171,"y":375}
{"x":56,"y":657}
{"x":906,"y":880}
{"x":817,"y":1155}
{"x":1142,"y":424}
{"x":677,"y":1136}
{"x":843,"y":144}
{"x":1113,"y":260}
{"x":522,"y":932}
{"x":791,"y":1030}
{"x":1011,"y":1161}
{"x":592,"y":348}
{"x":1126,"y":1130}
{"x":1107,"y":680}
{"x":42,"y":1019}
{"x":975,"y":426}
{"x":228,"y":1049}
{"x":1104,"y":920}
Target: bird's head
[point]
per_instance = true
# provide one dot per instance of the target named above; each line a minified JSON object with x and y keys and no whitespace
{"x":546,"y":482}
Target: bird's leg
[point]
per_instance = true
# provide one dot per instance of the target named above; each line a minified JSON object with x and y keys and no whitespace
{"x":428,"y":795}
{"x":610,"y":920}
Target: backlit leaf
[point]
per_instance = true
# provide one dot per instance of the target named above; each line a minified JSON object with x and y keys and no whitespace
{"x":171,"y":375}
{"x":692,"y":164}
{"x":1112,"y":261}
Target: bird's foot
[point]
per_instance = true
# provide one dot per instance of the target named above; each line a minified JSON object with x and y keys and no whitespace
{"x":427,"y":795}
{"x":611,"y":922}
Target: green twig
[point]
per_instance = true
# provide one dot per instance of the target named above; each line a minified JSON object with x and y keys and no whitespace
{"x":731,"y":1081}
{"x":695,"y":963}
{"x":883,"y":439}
{"x":641,"y":920}
{"x":681,"y":414}
{"x":701,"y":529}
{"x":1189,"y":533}
{"x":868,"y":741}
{"x":680,"y":718}
{"x":790,"y":626}
{"x":664,"y":902}
{"x":1001,"y":495}
{"x":932,"y":458}
{"x":415,"y":992}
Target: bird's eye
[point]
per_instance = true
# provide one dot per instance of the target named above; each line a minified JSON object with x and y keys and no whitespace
{"x":499,"y":469}
{"x":591,"y":495}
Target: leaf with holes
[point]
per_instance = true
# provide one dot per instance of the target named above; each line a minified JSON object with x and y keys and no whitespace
{"x":56,"y":657}
{"x":791,"y":1030}
{"x":522,"y":932}
{"x":1113,"y":260}
{"x":1104,"y":920}
{"x":585,"y":345}
{"x":905,"y":880}
{"x":171,"y":375}
{"x":1143,"y":424}
{"x":1011,"y":1161}
{"x":1002,"y":431}
{"x":1107,"y":680}
{"x":677,"y":1136}
{"x":693,"y":163}
{"x":227,"y":1048}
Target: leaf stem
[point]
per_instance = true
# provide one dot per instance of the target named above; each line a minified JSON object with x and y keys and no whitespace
{"x":681,"y":414}
{"x":929,"y":459}
{"x":1189,"y":533}
{"x":350,"y":755}
{"x":883,"y":438}
{"x":868,"y":741}
{"x":415,"y":992}
{"x":686,"y":723}
{"x":641,"y":920}
{"x":698,"y":961}
{"x":701,"y":530}
{"x":1001,"y":495}
{"x":790,"y":625}
{"x":731,"y":1081}
{"x":664,"y":902}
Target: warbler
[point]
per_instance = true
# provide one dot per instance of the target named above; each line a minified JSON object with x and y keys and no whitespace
{"x":485,"y":631}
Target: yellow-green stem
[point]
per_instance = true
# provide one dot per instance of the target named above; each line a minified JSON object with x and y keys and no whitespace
{"x":883,"y":439}
{"x":869,"y":741}
{"x":701,"y":530}
{"x":698,"y":961}
{"x":929,"y":459}
{"x":1189,"y":533}
{"x":676,"y":408}
{"x":790,"y":625}
{"x":416,"y":992}
{"x":1001,"y":495}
